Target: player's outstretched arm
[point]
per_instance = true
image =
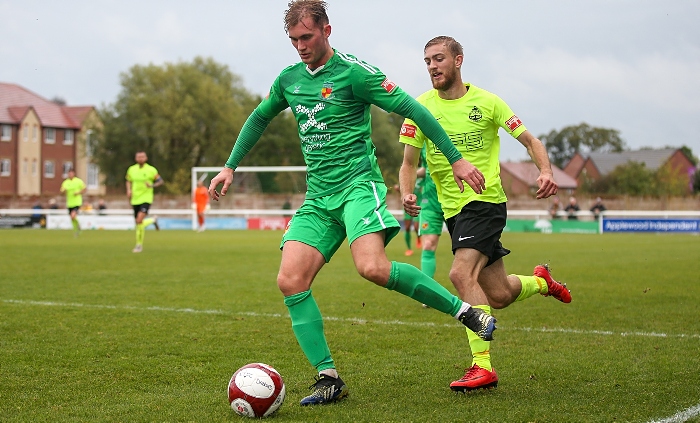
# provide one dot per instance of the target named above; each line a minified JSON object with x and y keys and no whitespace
{"x":547,"y":186}
{"x":407,"y":179}
{"x":224,"y":177}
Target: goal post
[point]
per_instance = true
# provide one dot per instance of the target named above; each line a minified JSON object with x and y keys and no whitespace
{"x":249,"y":180}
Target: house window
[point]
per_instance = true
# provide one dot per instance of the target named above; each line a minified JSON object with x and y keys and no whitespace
{"x":35,"y":133}
{"x":5,"y":165}
{"x":50,"y":136}
{"x":93,"y":176}
{"x":25,"y":166}
{"x":6,"y":133}
{"x":49,"y":170}
{"x":66,"y":167}
{"x":68,"y":137}
{"x":25,"y":132}
{"x":34,"y":166}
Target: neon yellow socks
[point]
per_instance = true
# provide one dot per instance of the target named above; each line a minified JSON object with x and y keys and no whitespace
{"x":531,"y":285}
{"x":141,"y":230}
{"x":307,"y":325}
{"x":411,"y":282}
{"x":481,"y":354}
{"x":427,"y":262}
{"x":76,"y":225}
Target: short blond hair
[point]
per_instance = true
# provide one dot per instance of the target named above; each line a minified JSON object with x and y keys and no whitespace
{"x":299,"y":9}
{"x":453,"y":46}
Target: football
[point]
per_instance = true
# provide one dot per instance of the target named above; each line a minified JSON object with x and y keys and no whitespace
{"x":256,"y":390}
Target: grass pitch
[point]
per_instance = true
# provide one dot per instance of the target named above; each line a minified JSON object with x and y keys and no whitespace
{"x":91,"y":332}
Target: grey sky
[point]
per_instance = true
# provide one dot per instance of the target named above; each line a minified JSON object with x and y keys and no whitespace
{"x":632,"y":65}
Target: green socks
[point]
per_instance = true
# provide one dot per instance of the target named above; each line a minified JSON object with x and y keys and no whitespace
{"x":427,"y":262}
{"x":307,"y":325}
{"x":407,"y":237}
{"x":413,"y":283}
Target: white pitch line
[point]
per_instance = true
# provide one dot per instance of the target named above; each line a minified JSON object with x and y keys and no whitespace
{"x":350,"y":319}
{"x":681,"y":416}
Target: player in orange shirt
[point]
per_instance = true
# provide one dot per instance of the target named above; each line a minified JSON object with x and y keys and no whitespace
{"x":201,"y":202}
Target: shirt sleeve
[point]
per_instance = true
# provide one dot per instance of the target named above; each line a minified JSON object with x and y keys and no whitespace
{"x":373,"y":87}
{"x":411,"y":134}
{"x":506,"y":119}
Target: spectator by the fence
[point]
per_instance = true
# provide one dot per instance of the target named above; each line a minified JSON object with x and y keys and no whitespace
{"x":554,"y":208}
{"x":598,"y":208}
{"x":572,"y":208}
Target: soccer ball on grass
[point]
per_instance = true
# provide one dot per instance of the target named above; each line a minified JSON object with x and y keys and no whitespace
{"x":256,"y":390}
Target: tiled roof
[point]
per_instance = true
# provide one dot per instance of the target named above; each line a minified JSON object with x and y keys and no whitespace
{"x":528,"y":173}
{"x":652,"y":159}
{"x":16,"y":100}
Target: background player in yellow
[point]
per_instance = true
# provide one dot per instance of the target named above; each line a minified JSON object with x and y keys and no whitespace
{"x":472,"y":117}
{"x":141,"y":178}
{"x":74,"y":188}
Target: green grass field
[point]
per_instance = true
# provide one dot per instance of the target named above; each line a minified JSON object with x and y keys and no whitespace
{"x":91,"y":332}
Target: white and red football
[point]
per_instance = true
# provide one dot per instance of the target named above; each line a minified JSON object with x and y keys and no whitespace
{"x":256,"y":390}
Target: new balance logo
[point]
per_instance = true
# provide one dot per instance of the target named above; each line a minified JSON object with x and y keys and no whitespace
{"x":366,"y":220}
{"x":462,"y":238}
{"x":296,"y":89}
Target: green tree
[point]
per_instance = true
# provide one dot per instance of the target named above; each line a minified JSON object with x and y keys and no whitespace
{"x":564,"y":144}
{"x":182,"y":114}
{"x":385,"y":136}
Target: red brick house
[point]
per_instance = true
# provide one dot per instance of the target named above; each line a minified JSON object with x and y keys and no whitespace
{"x":520,"y":178}
{"x":595,"y":165}
{"x":40,"y":140}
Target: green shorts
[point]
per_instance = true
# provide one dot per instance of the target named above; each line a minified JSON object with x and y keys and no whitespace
{"x":431,"y":222}
{"x":431,"y":215}
{"x":325,"y":222}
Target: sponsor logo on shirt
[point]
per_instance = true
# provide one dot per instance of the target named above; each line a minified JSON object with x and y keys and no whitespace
{"x":311,"y":114}
{"x":408,"y":130}
{"x":475,"y":114}
{"x":388,"y":85}
{"x":513,"y":123}
{"x":327,"y":90}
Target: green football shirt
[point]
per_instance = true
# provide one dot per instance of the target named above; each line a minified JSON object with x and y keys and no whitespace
{"x":73,"y":188}
{"x":331,"y":105}
{"x":139,"y":176}
{"x":472,"y":123}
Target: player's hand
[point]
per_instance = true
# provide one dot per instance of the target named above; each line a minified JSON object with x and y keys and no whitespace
{"x":410,"y":205}
{"x":128,"y":194}
{"x":547,"y":185}
{"x":224,"y":177}
{"x":467,"y":172}
{"x":149,"y":185}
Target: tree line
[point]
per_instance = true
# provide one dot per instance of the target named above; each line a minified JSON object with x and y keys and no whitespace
{"x":189,"y":114}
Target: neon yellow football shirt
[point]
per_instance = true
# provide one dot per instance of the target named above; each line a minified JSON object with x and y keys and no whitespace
{"x":472,"y":123}
{"x":72,"y":188}
{"x":139,"y":177}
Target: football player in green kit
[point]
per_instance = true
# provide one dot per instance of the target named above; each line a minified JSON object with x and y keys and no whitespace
{"x":475,"y":219}
{"x":330,"y":94}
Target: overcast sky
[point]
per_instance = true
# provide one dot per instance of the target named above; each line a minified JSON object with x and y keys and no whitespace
{"x":632,"y":65}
